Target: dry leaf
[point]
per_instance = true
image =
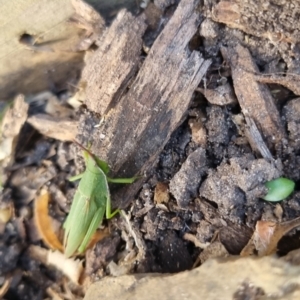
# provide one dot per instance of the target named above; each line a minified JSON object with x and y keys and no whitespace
{"x":267,"y":235}
{"x":43,"y":221}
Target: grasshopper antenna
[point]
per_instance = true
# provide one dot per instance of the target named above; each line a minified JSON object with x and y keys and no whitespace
{"x":84,"y":148}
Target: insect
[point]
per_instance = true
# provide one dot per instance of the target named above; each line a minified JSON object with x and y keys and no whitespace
{"x":90,"y":203}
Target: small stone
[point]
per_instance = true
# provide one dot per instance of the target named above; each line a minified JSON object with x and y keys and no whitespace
{"x":209,"y":29}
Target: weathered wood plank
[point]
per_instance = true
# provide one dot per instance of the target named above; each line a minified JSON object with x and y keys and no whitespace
{"x":107,"y":72}
{"x":137,"y":129}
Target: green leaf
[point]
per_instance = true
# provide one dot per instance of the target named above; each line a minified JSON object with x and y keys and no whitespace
{"x":279,"y":189}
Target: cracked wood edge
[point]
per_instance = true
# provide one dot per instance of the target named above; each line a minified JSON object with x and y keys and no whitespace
{"x":137,"y":129}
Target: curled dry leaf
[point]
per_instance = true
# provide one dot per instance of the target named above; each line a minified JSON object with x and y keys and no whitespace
{"x":267,"y":235}
{"x":278,"y":211}
{"x":43,"y":221}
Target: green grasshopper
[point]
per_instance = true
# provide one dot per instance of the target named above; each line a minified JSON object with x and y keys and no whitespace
{"x":91,"y":201}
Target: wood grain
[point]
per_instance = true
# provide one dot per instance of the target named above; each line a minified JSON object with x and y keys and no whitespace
{"x":107,"y":73}
{"x":138,"y":127}
{"x":254,"y":98}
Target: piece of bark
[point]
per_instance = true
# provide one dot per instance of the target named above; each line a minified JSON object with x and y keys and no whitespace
{"x":56,"y":128}
{"x":256,"y":141}
{"x":108,"y":71}
{"x":136,"y":130}
{"x":221,"y":95}
{"x":290,"y":81}
{"x":255,"y":98}
{"x":291,"y":113}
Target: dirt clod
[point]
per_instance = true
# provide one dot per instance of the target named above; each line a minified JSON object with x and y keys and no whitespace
{"x":237,"y":183}
{"x":185,"y":183}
